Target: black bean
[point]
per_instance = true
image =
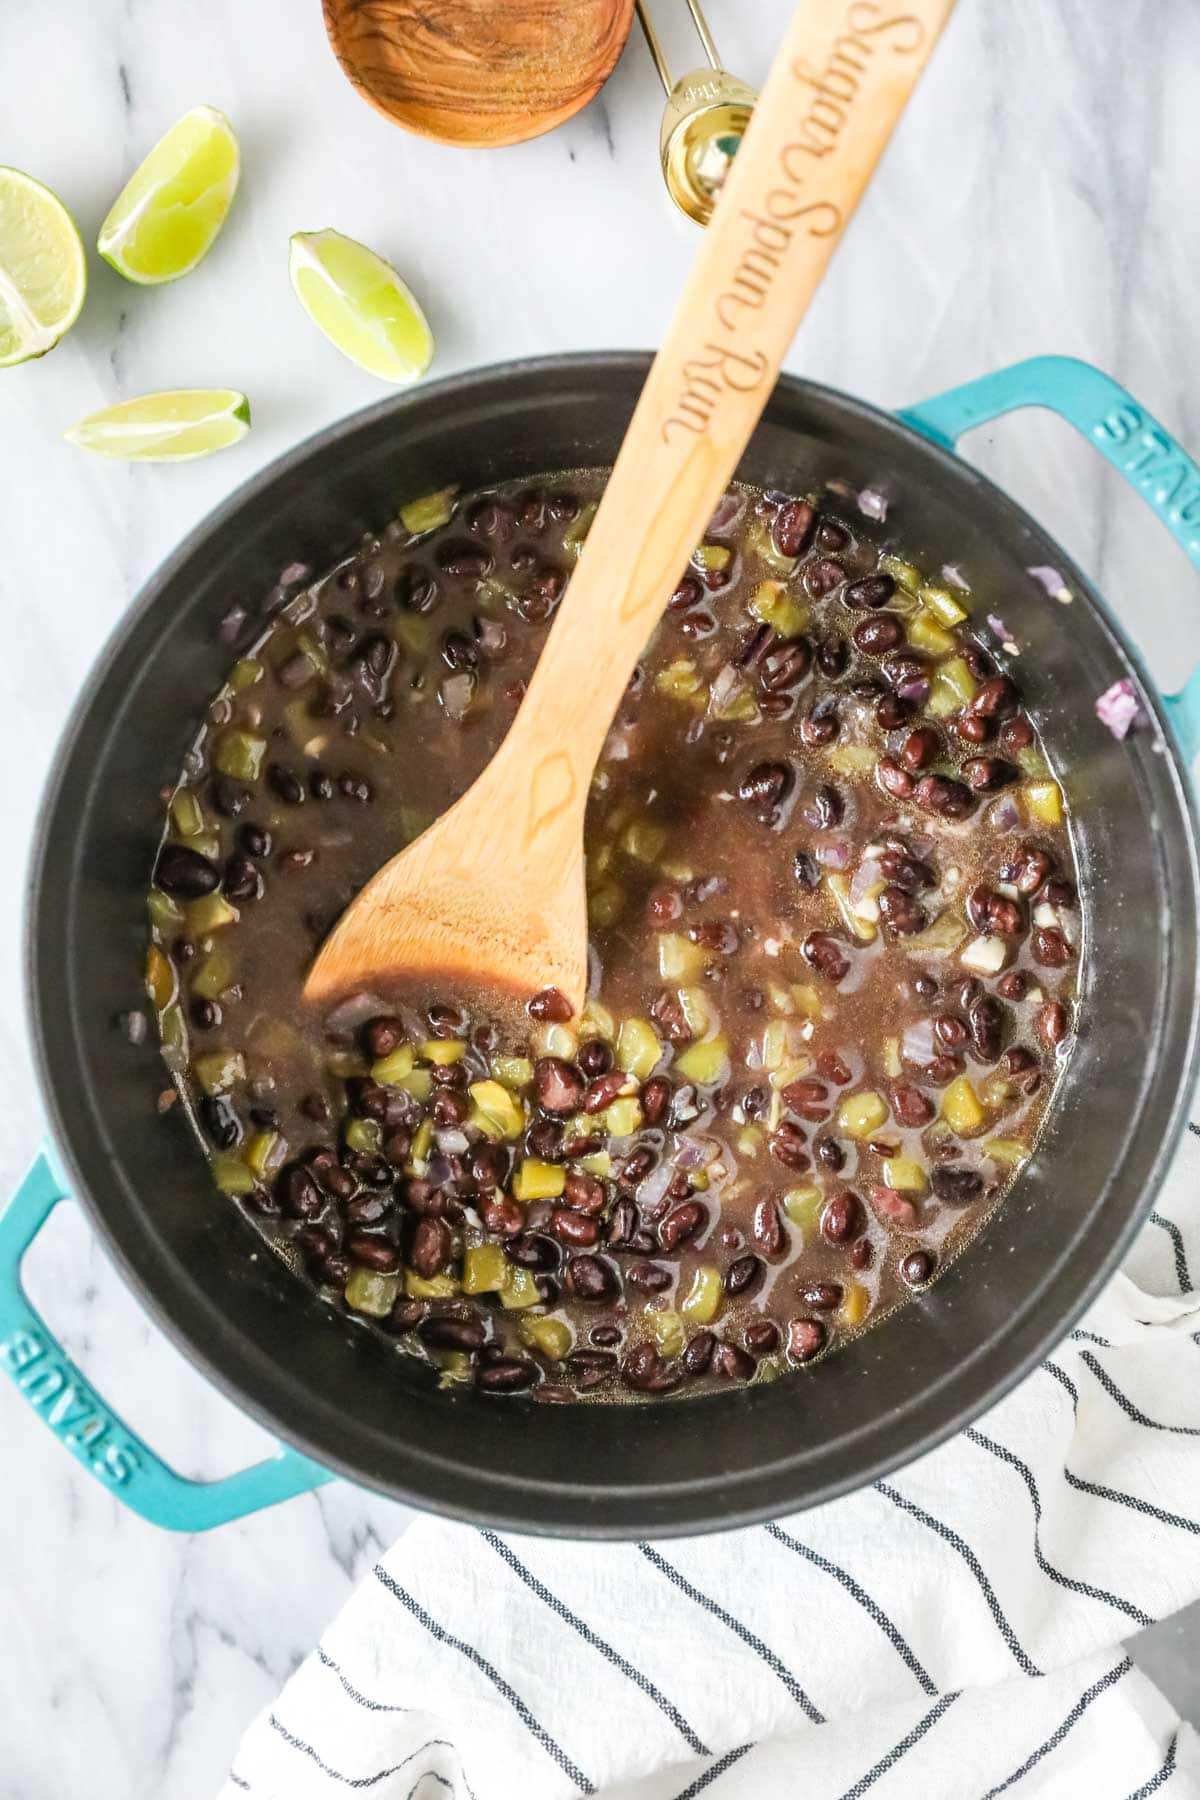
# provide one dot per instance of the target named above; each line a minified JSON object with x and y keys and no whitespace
{"x":875,"y":637}
{"x":1053,"y":1022}
{"x":891,"y":712}
{"x":682,"y":1223}
{"x":920,"y":747}
{"x":507,"y":1375}
{"x":826,"y":808}
{"x":731,"y":1361}
{"x":830,"y":1153}
{"x":534,"y":1251}
{"x":229,"y":798}
{"x":907,"y":872}
{"x":917,"y":1267}
{"x":601,"y":1092}
{"x":429,"y":1250}
{"x":995,"y":698}
{"x":787,"y":1145}
{"x":808,"y":1097}
{"x":805,"y":1337}
{"x":822,"y":576}
{"x":558,"y":1085}
{"x":220,"y":1121}
{"x":742,"y":1274}
{"x":971,"y":728}
{"x":298,"y":1193}
{"x":987,"y":773}
{"x":821,"y":725}
{"x":793,"y":526}
{"x":320,"y":785}
{"x":590,"y":1278}
{"x":697,"y":1355}
{"x":957,"y":1187}
{"x":900,"y":912}
{"x":833,"y":656}
{"x":947,"y":799}
{"x":1016,"y":734}
{"x":985,"y":1022}
{"x":786,"y":665}
{"x":648,"y":1277}
{"x":911,"y":1107}
{"x":646,"y":1372}
{"x":184,"y":873}
{"x":764,"y":787}
{"x":204,"y":1014}
{"x":761,"y":1337}
{"x":550,"y":1005}
{"x":1050,"y":947}
{"x":464,"y":557}
{"x":767,"y":1228}
{"x":451,"y":1331}
{"x":870,"y":590}
{"x":807,"y":871}
{"x":373,"y":1252}
{"x":573,"y":1229}
{"x":893,"y":779}
{"x":826,"y":954}
{"x":240,"y":879}
{"x":1033,"y":869}
{"x":255,"y":840}
{"x":843,"y":1218}
{"x":822,"y":1296}
{"x":594,"y":1057}
{"x":417,"y":590}
{"x":285,"y":783}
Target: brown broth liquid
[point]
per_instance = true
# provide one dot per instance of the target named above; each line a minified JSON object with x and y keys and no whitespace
{"x":835,"y":936}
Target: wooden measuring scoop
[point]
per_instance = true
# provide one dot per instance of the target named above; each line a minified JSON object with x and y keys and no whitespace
{"x":491,"y":897}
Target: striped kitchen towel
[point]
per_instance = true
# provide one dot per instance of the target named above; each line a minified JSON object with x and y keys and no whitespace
{"x":954,"y":1631}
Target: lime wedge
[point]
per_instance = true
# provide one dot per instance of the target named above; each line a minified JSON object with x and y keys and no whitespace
{"x":164,"y":220}
{"x":43,"y":272}
{"x":361,"y":304}
{"x":171,"y":427}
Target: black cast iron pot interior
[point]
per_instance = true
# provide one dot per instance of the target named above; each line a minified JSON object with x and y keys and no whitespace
{"x":328,"y":1387}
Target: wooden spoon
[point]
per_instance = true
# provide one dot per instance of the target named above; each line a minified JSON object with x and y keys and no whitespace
{"x":492,"y":895}
{"x":478,"y":72}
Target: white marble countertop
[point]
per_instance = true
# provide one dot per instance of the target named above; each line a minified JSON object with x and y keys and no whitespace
{"x":1039,"y":196}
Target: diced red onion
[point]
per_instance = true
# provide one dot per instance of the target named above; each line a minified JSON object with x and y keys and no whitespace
{"x":1118,"y":708}
{"x":1051,"y":580}
{"x":1005,"y":815}
{"x":231,"y":624}
{"x":867,"y":876}
{"x":457,"y":692}
{"x":651,"y":1191}
{"x":918,"y":1045}
{"x":452,"y":1142}
{"x":833,"y":856}
{"x":438,"y":1169}
{"x":776,"y":497}
{"x":954,"y":575}
{"x":916,"y":691}
{"x":295,"y":571}
{"x":1001,"y":629}
{"x":729,"y":510}
{"x":697,"y":1153}
{"x":873,"y":505}
{"x":709,"y":887}
{"x":616,"y":747}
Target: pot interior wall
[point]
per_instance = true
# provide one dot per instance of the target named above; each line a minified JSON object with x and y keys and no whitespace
{"x":340,"y":1394}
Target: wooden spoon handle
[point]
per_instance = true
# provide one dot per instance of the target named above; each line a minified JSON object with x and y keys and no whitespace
{"x":836,"y":89}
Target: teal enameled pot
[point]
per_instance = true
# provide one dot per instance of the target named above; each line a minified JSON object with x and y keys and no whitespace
{"x":342,"y":1401}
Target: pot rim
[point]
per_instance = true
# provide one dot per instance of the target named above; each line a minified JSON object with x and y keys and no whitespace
{"x":703,"y":1503}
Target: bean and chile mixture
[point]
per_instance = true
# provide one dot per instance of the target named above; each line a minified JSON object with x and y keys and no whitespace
{"x":835,"y":929}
